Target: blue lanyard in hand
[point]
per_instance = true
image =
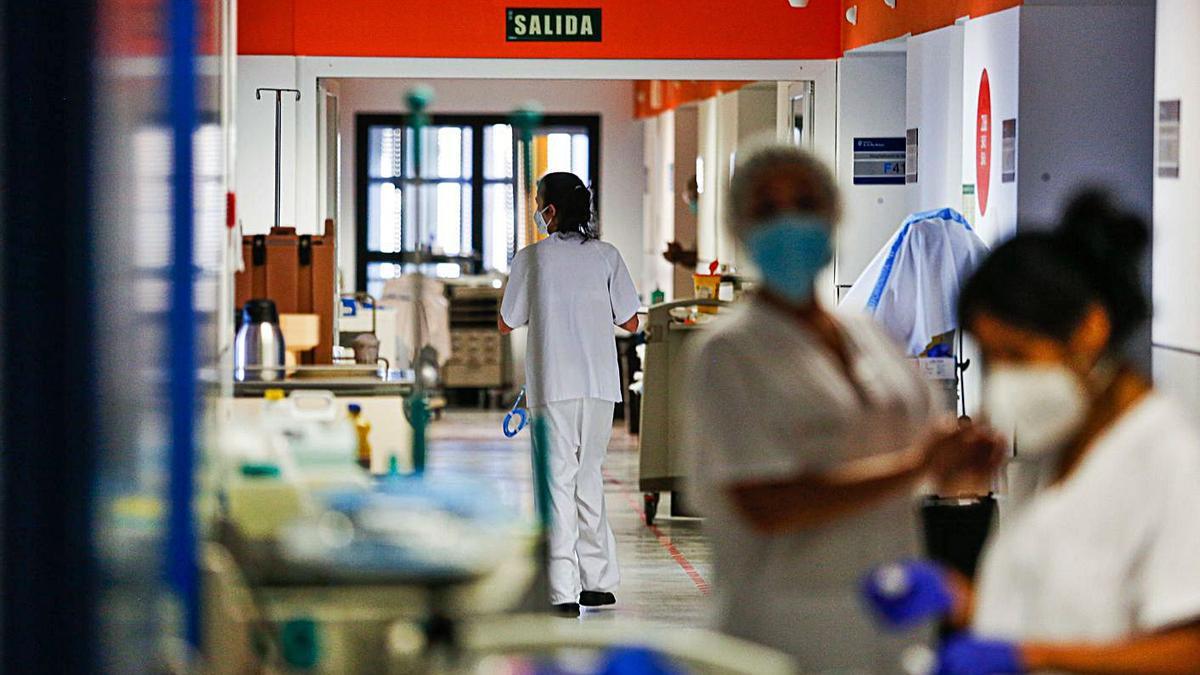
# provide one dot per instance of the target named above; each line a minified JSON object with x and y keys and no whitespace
{"x":521,"y":414}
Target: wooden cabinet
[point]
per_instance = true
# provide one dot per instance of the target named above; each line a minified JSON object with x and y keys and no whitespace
{"x":479,"y":357}
{"x":299,"y":273}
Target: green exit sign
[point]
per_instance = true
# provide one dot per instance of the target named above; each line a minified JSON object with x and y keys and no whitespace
{"x":540,"y":24}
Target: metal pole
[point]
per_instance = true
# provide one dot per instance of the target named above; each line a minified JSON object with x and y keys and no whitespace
{"x":183,"y":571}
{"x":278,"y":140}
{"x":278,"y":151}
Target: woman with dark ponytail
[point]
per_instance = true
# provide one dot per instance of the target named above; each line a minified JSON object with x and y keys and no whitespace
{"x":571,"y":204}
{"x":1098,"y":570}
{"x":571,"y":289}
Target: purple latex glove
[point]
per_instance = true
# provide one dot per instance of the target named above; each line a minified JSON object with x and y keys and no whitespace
{"x":965,"y":654}
{"x":908,"y":592}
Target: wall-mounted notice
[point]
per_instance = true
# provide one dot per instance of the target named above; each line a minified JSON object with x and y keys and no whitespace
{"x":910,"y":156}
{"x":1008,"y":151}
{"x":968,"y":203}
{"x":1168,"y":139}
{"x":879,"y":161}
{"x":540,"y":24}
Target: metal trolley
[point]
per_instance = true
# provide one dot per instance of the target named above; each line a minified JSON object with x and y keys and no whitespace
{"x":661,"y":466}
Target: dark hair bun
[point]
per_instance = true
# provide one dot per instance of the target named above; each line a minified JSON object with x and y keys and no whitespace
{"x":581,"y":198}
{"x":1108,"y":245}
{"x":1046,"y":282}
{"x":572,"y":202}
{"x":1100,"y":233}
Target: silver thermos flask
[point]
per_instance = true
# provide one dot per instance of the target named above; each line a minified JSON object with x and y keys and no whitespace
{"x":258,"y":349}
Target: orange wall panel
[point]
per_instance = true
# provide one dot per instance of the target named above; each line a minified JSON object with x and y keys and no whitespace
{"x":632,"y":29}
{"x":878,"y":23}
{"x":132,"y":28}
{"x":267,"y":27}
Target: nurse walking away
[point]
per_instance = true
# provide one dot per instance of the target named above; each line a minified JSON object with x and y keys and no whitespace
{"x":1099,"y":570}
{"x":809,"y":435}
{"x":571,"y":289}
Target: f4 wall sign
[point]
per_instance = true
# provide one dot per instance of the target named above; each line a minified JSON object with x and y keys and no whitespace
{"x":542,"y":24}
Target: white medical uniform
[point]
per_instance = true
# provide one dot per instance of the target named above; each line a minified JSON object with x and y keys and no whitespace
{"x":1112,"y":551}
{"x":768,"y":402}
{"x":571,"y":293}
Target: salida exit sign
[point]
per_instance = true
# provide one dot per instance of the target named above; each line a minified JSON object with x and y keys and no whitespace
{"x":541,"y":24}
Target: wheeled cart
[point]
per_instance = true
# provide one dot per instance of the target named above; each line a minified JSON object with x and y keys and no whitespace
{"x":661,"y":465}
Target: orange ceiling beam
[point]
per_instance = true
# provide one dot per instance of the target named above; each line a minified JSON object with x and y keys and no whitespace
{"x":631,"y":29}
{"x":713,"y":29}
{"x":651,"y":97}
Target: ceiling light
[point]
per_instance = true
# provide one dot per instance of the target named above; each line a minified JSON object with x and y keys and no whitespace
{"x":852,"y":15}
{"x":890,"y":3}
{"x":798,"y":3}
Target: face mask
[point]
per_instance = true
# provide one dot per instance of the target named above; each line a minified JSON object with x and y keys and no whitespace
{"x":542,"y":226}
{"x":1043,"y":405}
{"x":790,"y":251}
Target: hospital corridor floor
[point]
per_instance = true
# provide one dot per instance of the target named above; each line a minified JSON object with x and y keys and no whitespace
{"x":665,"y":568}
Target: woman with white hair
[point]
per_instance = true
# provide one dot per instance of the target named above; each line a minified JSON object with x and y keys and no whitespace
{"x":809,"y":436}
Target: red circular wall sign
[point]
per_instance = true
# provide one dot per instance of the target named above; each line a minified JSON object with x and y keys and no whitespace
{"x":983,"y":143}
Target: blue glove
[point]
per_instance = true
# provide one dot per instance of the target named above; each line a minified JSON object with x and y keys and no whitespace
{"x":940,"y":351}
{"x":908,"y":592}
{"x":965,"y":654}
{"x":637,"y":661}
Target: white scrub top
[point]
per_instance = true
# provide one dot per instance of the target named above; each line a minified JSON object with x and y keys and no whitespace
{"x":768,"y":402}
{"x":1113,"y":550}
{"x":570,"y":293}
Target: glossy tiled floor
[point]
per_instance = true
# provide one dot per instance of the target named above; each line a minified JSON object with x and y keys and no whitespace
{"x":665,"y":569}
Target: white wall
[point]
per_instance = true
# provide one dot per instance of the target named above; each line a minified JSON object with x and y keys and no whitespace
{"x":991,"y":42}
{"x":934,"y":87}
{"x":1083,"y":126}
{"x":727,"y":145}
{"x":255,"y":170}
{"x":687,"y":136}
{"x":658,"y":203}
{"x":757,"y":126}
{"x":1176,"y":329}
{"x":758,"y":114}
{"x":1080,"y":124}
{"x":871,"y":103}
{"x":945,"y":68}
{"x":621,"y":171}
{"x":708,"y":219}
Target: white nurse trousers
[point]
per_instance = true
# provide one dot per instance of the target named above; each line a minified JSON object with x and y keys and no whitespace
{"x":583,"y":552}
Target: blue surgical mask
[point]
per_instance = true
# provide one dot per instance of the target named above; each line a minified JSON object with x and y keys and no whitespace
{"x":542,"y":226}
{"x":790,"y":250}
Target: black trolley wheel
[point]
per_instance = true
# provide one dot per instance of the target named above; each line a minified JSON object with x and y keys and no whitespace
{"x":650,"y":502}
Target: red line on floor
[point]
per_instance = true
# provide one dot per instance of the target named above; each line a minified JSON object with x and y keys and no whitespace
{"x":665,"y":541}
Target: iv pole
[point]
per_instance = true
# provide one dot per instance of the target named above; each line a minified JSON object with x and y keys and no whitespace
{"x":278,"y":137}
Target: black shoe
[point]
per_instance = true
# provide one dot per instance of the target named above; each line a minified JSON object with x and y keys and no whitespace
{"x":567,"y":609}
{"x":596,"y":599}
